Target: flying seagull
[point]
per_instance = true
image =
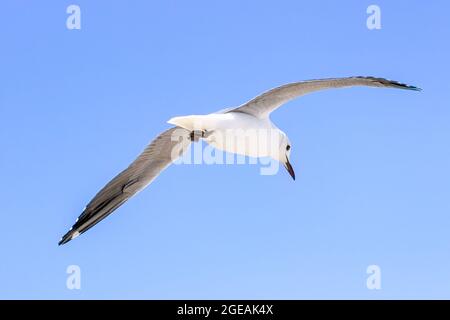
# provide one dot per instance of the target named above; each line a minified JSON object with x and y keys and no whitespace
{"x":212,"y":128}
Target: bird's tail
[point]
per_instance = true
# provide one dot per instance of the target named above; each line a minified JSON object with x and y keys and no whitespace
{"x":190,"y":123}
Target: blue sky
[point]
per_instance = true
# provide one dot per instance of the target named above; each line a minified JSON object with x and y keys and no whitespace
{"x":372,"y":165}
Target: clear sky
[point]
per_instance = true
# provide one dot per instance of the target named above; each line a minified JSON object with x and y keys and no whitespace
{"x":372,"y":165}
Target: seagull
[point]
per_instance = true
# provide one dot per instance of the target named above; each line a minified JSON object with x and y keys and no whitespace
{"x":212,"y":128}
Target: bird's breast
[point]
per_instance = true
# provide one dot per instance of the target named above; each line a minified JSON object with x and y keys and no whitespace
{"x":241,"y":134}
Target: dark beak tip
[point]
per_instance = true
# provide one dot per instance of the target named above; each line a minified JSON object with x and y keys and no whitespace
{"x":290,"y":169}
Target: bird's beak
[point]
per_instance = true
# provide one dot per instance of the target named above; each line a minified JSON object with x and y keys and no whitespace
{"x":289,"y":168}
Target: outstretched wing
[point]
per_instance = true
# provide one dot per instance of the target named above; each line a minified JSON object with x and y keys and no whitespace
{"x":167,"y":147}
{"x":264,"y":104}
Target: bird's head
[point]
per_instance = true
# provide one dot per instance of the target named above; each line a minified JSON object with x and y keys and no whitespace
{"x":284,"y":153}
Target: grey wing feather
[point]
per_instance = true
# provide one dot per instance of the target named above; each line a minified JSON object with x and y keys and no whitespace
{"x":159,"y":154}
{"x":262,"y":105}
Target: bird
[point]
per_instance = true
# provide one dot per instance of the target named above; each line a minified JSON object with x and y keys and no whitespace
{"x":214,"y":128}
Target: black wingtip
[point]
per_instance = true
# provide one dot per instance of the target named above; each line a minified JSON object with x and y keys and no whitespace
{"x":67,"y":237}
{"x":64,"y":240}
{"x":415,"y":88}
{"x":407,"y":87}
{"x":391,"y":83}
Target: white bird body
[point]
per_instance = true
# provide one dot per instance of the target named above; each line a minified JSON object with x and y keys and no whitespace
{"x":245,"y":130}
{"x":236,"y":132}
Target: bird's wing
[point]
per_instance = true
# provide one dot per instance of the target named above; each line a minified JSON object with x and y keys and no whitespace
{"x":262,"y":105}
{"x":160,"y":153}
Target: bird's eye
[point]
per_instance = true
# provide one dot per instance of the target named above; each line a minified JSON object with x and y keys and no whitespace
{"x":288,"y":147}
